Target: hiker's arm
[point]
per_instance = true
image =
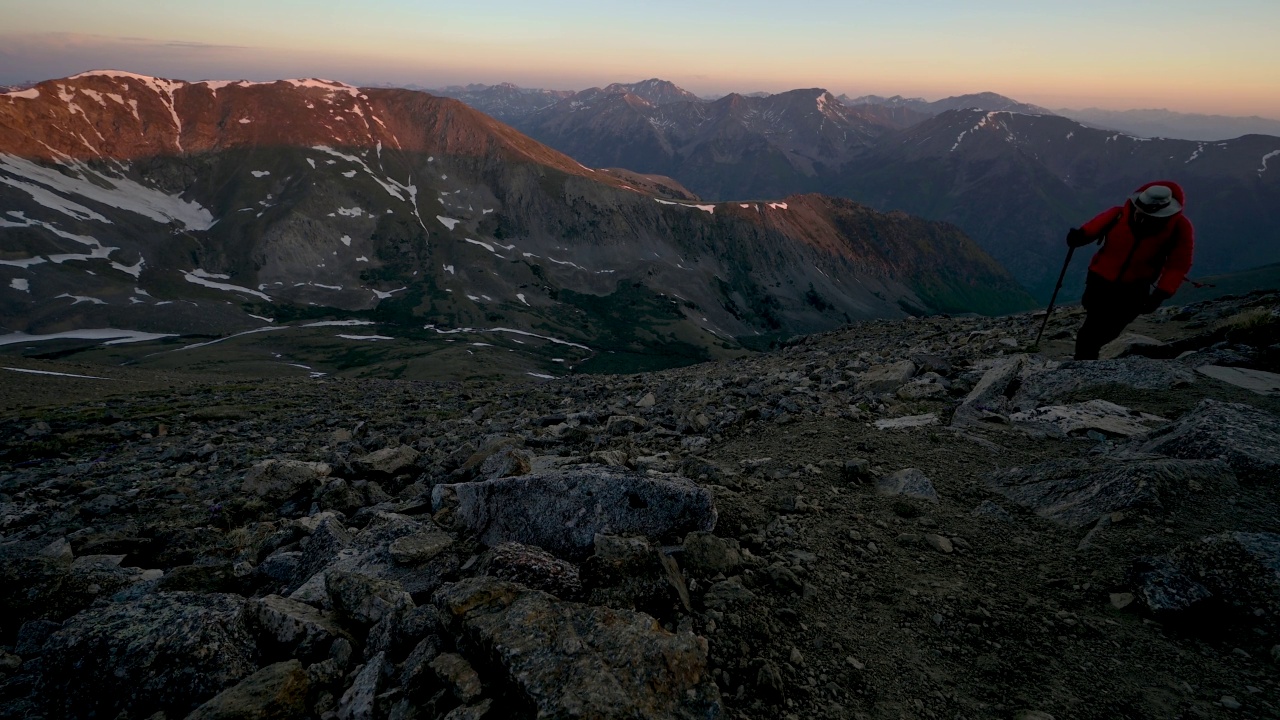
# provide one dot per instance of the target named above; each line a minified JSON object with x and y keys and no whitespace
{"x":1179,"y":262}
{"x":1099,"y":226}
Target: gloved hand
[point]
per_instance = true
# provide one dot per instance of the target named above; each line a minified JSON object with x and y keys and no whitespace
{"x":1077,"y":238}
{"x":1154,"y":300}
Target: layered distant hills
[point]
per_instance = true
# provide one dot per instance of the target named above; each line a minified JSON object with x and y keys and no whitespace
{"x":167,"y":207}
{"x":1013,"y":176}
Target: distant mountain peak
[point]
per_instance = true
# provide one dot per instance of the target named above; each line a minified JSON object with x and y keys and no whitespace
{"x":654,"y":90}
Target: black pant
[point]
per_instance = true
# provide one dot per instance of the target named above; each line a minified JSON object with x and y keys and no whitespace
{"x":1110,"y":307}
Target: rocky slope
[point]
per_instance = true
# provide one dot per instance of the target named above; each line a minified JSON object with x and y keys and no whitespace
{"x":901,"y":519}
{"x":177,"y":208}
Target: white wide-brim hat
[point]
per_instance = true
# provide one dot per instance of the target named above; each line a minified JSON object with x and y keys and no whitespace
{"x":1156,"y":201}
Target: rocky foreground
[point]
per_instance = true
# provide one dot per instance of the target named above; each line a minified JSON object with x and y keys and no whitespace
{"x":896,"y":520}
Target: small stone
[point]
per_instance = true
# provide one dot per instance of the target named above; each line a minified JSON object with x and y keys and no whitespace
{"x":277,"y":480}
{"x":797,"y":658}
{"x":470,"y":712}
{"x":276,"y":692}
{"x":9,"y":662}
{"x":1229,"y":702}
{"x":387,"y":461}
{"x":706,"y":554}
{"x":363,"y":599}
{"x":939,"y":543}
{"x":1034,"y":715}
{"x":458,"y":675}
{"x":909,"y":483}
{"x":856,"y":470}
{"x":624,"y":424}
{"x":360,"y":700}
{"x":856,"y":663}
{"x":1121,"y":601}
{"x":420,"y":547}
{"x":647,"y":401}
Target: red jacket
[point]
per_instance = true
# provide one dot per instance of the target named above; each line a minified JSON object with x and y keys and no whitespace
{"x":1136,"y":254}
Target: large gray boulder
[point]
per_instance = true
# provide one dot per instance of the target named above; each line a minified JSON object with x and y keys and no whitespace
{"x":1076,"y":492}
{"x":576,"y":661}
{"x":1233,"y":575}
{"x":562,"y":511}
{"x":1247,"y":438}
{"x":167,"y":652}
{"x":293,"y":628}
{"x":1073,"y":377}
{"x":277,"y":480}
{"x":988,"y":400}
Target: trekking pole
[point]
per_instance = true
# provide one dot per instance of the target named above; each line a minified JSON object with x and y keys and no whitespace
{"x":1070,"y":251}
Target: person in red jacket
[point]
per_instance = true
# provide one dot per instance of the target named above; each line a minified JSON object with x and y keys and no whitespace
{"x":1145,"y":255}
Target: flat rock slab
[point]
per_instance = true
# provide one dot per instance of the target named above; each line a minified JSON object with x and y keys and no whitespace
{"x":1247,"y":438}
{"x":562,"y":511}
{"x":1076,"y":492}
{"x":1097,"y":415}
{"x":910,"y":421}
{"x":1259,"y":381}
{"x":577,"y":661}
{"x":1138,"y":373}
{"x":1126,"y":345}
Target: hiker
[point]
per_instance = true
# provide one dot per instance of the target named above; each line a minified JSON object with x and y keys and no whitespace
{"x":1146,"y":242}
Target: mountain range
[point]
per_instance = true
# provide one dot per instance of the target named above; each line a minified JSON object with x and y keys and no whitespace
{"x":1013,"y":176}
{"x":1176,"y":125}
{"x":168,"y":208}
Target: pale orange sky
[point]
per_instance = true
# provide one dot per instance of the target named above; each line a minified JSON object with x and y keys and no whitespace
{"x":1174,"y":54}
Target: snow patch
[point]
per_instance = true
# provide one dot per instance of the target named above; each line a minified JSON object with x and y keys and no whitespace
{"x":338,"y":323}
{"x":20,"y":284}
{"x":778,"y":206}
{"x":260,"y":173}
{"x":365,"y":337}
{"x":384,"y":295}
{"x":350,"y":212}
{"x":111,"y":335}
{"x":77,"y":299}
{"x":58,"y":374}
{"x":245,"y":121}
{"x":346,"y":240}
{"x":520,"y":297}
{"x":450,"y":223}
{"x":119,"y":192}
{"x":541,"y":376}
{"x":31,"y":94}
{"x":1265,"y":158}
{"x":362,"y":259}
{"x":200,"y":277}
{"x":134,"y":270}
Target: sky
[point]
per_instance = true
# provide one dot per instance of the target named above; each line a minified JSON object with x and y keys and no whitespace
{"x":1221,"y":57}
